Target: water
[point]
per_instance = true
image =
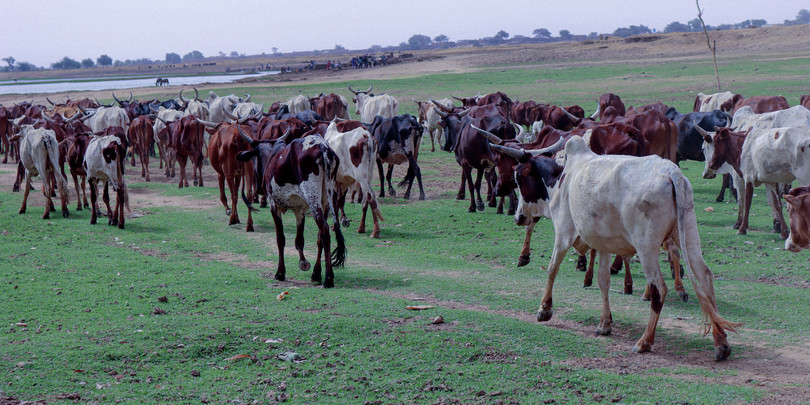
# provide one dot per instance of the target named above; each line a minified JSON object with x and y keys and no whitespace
{"x":107,"y":83}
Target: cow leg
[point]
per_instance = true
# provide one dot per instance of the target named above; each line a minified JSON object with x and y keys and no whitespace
{"x":775,"y":201}
{"x":84,"y":194}
{"x":726,"y":184}
{"x":603,"y":278}
{"x":500,"y":206}
{"x":20,"y":175}
{"x":76,"y":185}
{"x":222,"y":198}
{"x":25,"y":194}
{"x":119,"y":206}
{"x":391,"y":191}
{"x":182,"y":160}
{"x":93,"y":201}
{"x":281,"y":270}
{"x":492,"y":199}
{"x":376,"y":215}
{"x":462,"y":189}
{"x":545,"y":312}
{"x":197,"y":165}
{"x":587,"y":267}
{"x":233,"y":187}
{"x":749,"y":194}
{"x":479,"y":201}
{"x":46,"y":191}
{"x":344,"y":220}
{"x":417,"y":172}
{"x":628,"y":278}
{"x":324,"y":245}
{"x":677,"y":269}
{"x":52,"y":180}
{"x":525,"y":252}
{"x":382,"y":178}
{"x":111,"y":218}
{"x":658,"y":294}
{"x":616,"y":267}
{"x":466,"y":172}
{"x":303,"y":264}
{"x":144,"y":164}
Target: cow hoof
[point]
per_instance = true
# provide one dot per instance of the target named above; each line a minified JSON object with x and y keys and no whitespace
{"x":719,"y":199}
{"x":263,"y":204}
{"x":493,"y":204}
{"x":742,"y":231}
{"x":784,"y":235}
{"x":645,"y":297}
{"x":228,"y":212}
{"x":233,"y":221}
{"x":346,"y":222}
{"x":458,"y":196}
{"x":92,"y":222}
{"x":544,"y":315}
{"x":46,"y":216}
{"x":375,"y":235}
{"x":86,"y":205}
{"x":329,"y":283}
{"x":614,"y":270}
{"x":15,"y":189}
{"x":78,"y":208}
{"x":391,"y":192}
{"x":587,"y":283}
{"x":604,"y":330}
{"x":499,"y":210}
{"x":121,"y":226}
{"x":280,"y":277}
{"x":480,"y":206}
{"x":642,"y":348}
{"x":722,"y":352}
{"x":249,"y":228}
{"x":65,"y":213}
{"x":523,"y":260}
{"x":628,"y":290}
{"x":22,"y":211}
{"x":421,"y":197}
{"x":510,"y":212}
{"x":684,"y":296}
{"x":471,"y":209}
{"x":148,"y":179}
{"x":736,"y":226}
{"x":195,"y":182}
{"x":304,"y":265}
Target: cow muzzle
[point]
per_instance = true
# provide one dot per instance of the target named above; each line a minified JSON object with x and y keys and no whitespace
{"x":709,"y":173}
{"x":791,"y":246}
{"x":521,"y":220}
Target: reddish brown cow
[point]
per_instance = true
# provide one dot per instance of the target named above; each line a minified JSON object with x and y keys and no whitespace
{"x":187,"y":142}
{"x":75,"y":148}
{"x":760,"y":104}
{"x":225,"y":144}
{"x":805,"y":101}
{"x":141,"y":135}
{"x":798,"y":200}
{"x":330,"y":106}
{"x":270,"y":129}
{"x":659,"y":132}
{"x":609,"y":99}
{"x":524,"y":113}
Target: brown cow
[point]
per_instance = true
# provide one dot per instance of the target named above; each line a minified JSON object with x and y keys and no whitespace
{"x":760,"y":104}
{"x":225,"y":144}
{"x":187,"y":142}
{"x":798,"y":200}
{"x":805,"y":101}
{"x":141,"y":135}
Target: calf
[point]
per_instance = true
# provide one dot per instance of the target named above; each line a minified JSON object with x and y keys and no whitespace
{"x":397,"y":138}
{"x":626,"y":205}
{"x":799,"y":212}
{"x":300,"y":177}
{"x":75,"y":149}
{"x":357,"y":152}
{"x":39,"y":155}
{"x":104,"y":161}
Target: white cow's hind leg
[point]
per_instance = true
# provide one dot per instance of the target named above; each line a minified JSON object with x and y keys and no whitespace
{"x":658,"y":293}
{"x":603,"y":278}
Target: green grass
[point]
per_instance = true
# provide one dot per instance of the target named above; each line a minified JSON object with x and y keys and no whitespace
{"x":90,"y":296}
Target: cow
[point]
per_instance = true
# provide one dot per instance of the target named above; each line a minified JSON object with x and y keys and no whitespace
{"x":195,"y":106}
{"x":356,"y":151}
{"x":39,"y":156}
{"x":141,"y":135}
{"x":771,"y":156}
{"x":397,"y":138}
{"x":430,"y":119}
{"x":760,"y":104}
{"x":370,"y":106}
{"x":221,"y":108}
{"x":298,"y":103}
{"x":225,"y":144}
{"x":625,"y":205}
{"x":524,"y":113}
{"x":659,"y":132}
{"x":160,"y":81}
{"x":104,"y":161}
{"x":716,"y":101}
{"x":75,"y":149}
{"x":805,"y":101}
{"x":300,"y":177}
{"x":163,"y":137}
{"x":186,"y":136}
{"x":330,"y":106}
{"x":799,"y":213}
{"x":104,"y":117}
{"x":612,"y":100}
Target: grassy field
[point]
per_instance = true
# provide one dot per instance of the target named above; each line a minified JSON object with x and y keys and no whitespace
{"x":179,"y":307}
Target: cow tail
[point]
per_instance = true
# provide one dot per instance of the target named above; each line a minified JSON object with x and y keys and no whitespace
{"x":331,"y":163}
{"x":53,"y":155}
{"x":122,"y":155}
{"x":372,"y":158}
{"x":689,"y":240}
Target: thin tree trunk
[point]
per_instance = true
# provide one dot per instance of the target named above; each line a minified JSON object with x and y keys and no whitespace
{"x":709,"y":44}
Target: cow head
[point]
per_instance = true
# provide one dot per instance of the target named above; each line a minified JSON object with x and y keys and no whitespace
{"x":360,"y":97}
{"x":798,"y":200}
{"x":534,"y":180}
{"x":722,"y":146}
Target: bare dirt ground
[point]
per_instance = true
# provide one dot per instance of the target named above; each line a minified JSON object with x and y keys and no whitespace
{"x":783,"y":373}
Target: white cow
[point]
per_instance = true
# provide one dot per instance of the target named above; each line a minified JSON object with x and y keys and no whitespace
{"x":711,"y":102}
{"x":248,"y":109}
{"x":104,"y":161}
{"x":625,"y":205}
{"x":221,"y":108}
{"x":745,"y":118}
{"x":432,"y":119}
{"x":357,"y":152}
{"x":297,"y":104}
{"x":370,"y":106}
{"x":105,"y":117}
{"x":39,"y":155}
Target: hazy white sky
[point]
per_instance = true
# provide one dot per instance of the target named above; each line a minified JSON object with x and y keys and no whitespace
{"x":42,"y":32}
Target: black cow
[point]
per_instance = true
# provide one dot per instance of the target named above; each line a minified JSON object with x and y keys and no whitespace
{"x":397,"y":138}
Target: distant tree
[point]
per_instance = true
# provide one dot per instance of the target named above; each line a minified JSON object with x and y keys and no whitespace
{"x":676,"y":26}
{"x":10,"y":60}
{"x":172,"y":57}
{"x":340,"y":47}
{"x":502,"y":35}
{"x":104,"y":60}
{"x":695,"y":25}
{"x":25,"y":67}
{"x":803,"y":17}
{"x":274,"y":49}
{"x":193,"y":56}
{"x":66,"y":63}
{"x":631,"y":30}
{"x":87,"y":63}
{"x":593,"y":35}
{"x":758,"y":22}
{"x":541,"y":33}
{"x":376,"y":48}
{"x":441,"y":39}
{"x":419,"y":41}
{"x":565,"y":35}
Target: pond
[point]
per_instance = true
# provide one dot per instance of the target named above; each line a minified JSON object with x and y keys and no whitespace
{"x":111,"y":83}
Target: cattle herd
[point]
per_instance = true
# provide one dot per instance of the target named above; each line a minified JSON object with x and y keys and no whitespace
{"x":609,"y":182}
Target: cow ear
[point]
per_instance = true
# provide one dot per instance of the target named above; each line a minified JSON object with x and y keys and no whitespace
{"x":246,"y":155}
{"x":793,"y":200}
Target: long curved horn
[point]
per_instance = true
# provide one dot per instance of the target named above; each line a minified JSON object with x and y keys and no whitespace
{"x":441,"y":113}
{"x":259,"y":113}
{"x":465,"y":112}
{"x":549,"y":150}
{"x":441,"y":106}
{"x":369,"y":88}
{"x":49,"y":100}
{"x":181,"y":97}
{"x":521,"y":135}
{"x":706,"y":137}
{"x":596,"y":114}
{"x":87,"y":117}
{"x":245,"y":136}
{"x":459,"y":99}
{"x":247,"y":97}
{"x":517,"y":154}
{"x":81,"y":109}
{"x":571,"y":116}
{"x":196,"y":94}
{"x":419,"y":103}
{"x":209,"y":124}
{"x":283,"y":138}
{"x":116,"y":99}
{"x":130,"y":97}
{"x":350,"y":89}
{"x":489,"y":135}
{"x":229,"y":115}
{"x":74,"y":116}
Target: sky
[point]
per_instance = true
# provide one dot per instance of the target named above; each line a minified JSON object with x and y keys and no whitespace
{"x":43,"y":32}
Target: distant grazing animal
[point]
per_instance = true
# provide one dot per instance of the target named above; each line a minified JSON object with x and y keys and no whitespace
{"x":161,"y":81}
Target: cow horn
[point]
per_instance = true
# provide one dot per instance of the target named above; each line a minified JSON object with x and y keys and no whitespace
{"x":521,"y":132}
{"x":704,"y":134}
{"x":283,"y":138}
{"x":196,"y":94}
{"x":459,"y":99}
{"x":181,"y":97}
{"x":465,"y":112}
{"x":166,"y":123}
{"x":595,"y":114}
{"x":419,"y":103}
{"x":350,"y":89}
{"x":571,"y":116}
{"x":81,"y":109}
{"x":243,"y":119}
{"x":551,"y":150}
{"x":245,"y":136}
{"x":86,"y":117}
{"x":489,"y":135}
{"x":49,"y":100}
{"x":130,"y":97}
{"x":73,"y":117}
{"x":441,"y":106}
{"x":209,"y":124}
{"x":229,"y":115}
{"x":517,"y":154}
{"x":116,"y":99}
{"x":440,"y":112}
{"x":369,"y":88}
{"x":247,"y":97}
